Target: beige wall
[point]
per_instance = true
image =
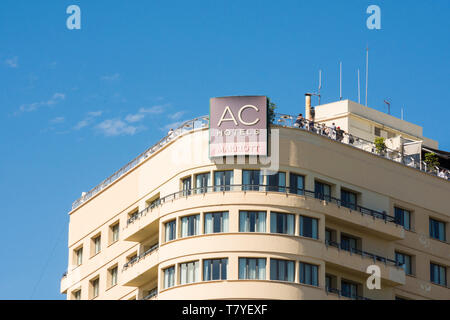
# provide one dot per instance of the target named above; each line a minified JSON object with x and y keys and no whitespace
{"x":380,"y":184}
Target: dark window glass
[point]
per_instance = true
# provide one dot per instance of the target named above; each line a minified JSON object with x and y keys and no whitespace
{"x":405,"y":261}
{"x":403,"y":218}
{"x":437,"y":229}
{"x":309,"y":274}
{"x":223,"y":180}
{"x":349,"y":289}
{"x":215,"y":269}
{"x":438,"y":274}
{"x":308,"y":227}
{"x":277,"y":182}
{"x":282,"y":270}
{"x":296,"y":184}
{"x":322,"y":191}
{"x":186,"y":186}
{"x":349,"y":243}
{"x":251,"y":179}
{"x":282,"y":223}
{"x":348,"y":199}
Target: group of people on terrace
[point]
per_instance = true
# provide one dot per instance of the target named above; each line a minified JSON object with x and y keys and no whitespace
{"x":335,"y":133}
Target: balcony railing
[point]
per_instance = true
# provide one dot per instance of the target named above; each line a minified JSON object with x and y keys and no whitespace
{"x":341,"y":293}
{"x":141,"y":256}
{"x":375,"y":257}
{"x":281,"y":120}
{"x":152,"y":293}
{"x":263,"y":188}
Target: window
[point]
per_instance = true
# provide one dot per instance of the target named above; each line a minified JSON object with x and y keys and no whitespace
{"x":296,"y":184}
{"x":282,"y":223}
{"x":438,"y":274}
{"x":330,"y":236}
{"x":377,"y":131}
{"x":252,"y":221}
{"x":95,"y":286}
{"x":169,"y":277}
{"x":190,"y":225}
{"x":189,"y":272}
{"x":170,"y":230}
{"x":132,"y":216}
{"x":251,"y":179}
{"x":349,"y":289}
{"x":223,"y":180}
{"x":252,"y":268}
{"x":215,"y":269}
{"x":322,"y":191}
{"x":349,"y":243}
{"x":202,"y":182}
{"x":115,"y":232}
{"x":186,"y":185}
{"x":96,"y":245}
{"x":76,"y":294}
{"x":282,"y":270}
{"x":113,"y":276}
{"x":403,"y":218}
{"x":154,"y":203}
{"x":216,"y":222}
{"x":277,"y":182}
{"x":308,"y":227}
{"x":404,"y":260}
{"x":309,"y":274}
{"x":79,"y":256}
{"x":348,"y":199}
{"x":330,"y":283}
{"x":437,"y":229}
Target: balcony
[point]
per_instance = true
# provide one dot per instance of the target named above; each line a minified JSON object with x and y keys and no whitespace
{"x":367,"y":219}
{"x":357,"y":260}
{"x":142,"y":268}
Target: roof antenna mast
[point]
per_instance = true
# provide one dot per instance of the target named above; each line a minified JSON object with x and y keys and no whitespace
{"x":367,"y":71}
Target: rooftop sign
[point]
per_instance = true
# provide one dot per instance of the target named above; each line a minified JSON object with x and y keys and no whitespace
{"x":238,"y":126}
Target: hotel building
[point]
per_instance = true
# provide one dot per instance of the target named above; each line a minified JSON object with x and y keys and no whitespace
{"x":175,"y":223}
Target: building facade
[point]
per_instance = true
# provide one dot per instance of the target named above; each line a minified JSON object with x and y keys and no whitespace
{"x":176,"y":224}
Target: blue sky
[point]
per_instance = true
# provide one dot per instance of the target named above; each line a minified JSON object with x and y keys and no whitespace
{"x":76,"y":105}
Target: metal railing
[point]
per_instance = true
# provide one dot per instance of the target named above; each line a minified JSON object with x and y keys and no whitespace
{"x":141,"y":256}
{"x":280,"y":120}
{"x":363,"y":254}
{"x":285,"y":120}
{"x":152,"y":293}
{"x":262,"y":188}
{"x":342,"y":293}
{"x":191,"y":125}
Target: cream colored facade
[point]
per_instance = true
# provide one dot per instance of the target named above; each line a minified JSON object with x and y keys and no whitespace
{"x":380,"y":184}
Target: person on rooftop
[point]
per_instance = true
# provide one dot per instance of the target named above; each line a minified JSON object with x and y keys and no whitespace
{"x":299,"y":121}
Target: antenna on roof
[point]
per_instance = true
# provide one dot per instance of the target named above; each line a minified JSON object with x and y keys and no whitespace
{"x":359,"y":89}
{"x":402,"y":112}
{"x":388,"y":105}
{"x":367,"y":71}
{"x":340,"y":80}
{"x":320,"y":85}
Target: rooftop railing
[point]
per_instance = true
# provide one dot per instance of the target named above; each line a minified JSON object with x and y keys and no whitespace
{"x":263,"y":188}
{"x":191,"y":125}
{"x":364,"y":254}
{"x":141,"y":256}
{"x":283,"y":120}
